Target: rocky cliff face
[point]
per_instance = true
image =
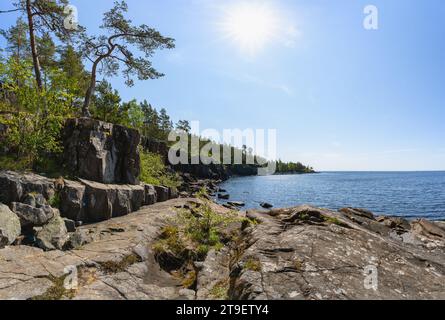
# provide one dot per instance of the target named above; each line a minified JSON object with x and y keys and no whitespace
{"x":101,"y":152}
{"x":43,"y":212}
{"x":298,"y":253}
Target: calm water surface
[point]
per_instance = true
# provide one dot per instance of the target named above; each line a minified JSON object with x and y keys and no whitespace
{"x":407,"y":194}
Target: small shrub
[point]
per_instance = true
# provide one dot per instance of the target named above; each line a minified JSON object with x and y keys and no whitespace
{"x":153,"y":171}
{"x":111,"y":267}
{"x":220,"y":291}
{"x":14,"y":164}
{"x":57,"y":291}
{"x":55,"y":201}
{"x":335,"y":221}
{"x":253,"y":265}
{"x":191,"y":235}
{"x":189,"y":279}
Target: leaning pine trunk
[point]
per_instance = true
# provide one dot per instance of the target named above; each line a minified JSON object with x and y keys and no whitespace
{"x":89,"y":94}
{"x":32,"y":37}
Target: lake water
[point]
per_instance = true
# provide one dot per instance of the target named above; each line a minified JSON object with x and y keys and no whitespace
{"x":407,"y":194}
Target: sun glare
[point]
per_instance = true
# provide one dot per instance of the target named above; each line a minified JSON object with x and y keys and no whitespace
{"x":251,"y":26}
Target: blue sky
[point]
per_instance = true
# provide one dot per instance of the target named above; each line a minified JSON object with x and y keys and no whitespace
{"x":341,"y":97}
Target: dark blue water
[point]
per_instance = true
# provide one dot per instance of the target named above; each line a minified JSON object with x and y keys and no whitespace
{"x":406,"y":194}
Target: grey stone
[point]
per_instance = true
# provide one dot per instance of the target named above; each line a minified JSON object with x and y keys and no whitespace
{"x":9,"y":226}
{"x":236,"y":203}
{"x":266,"y":205}
{"x":79,"y":238}
{"x":72,"y":201}
{"x":150,"y":195}
{"x":53,"y":236}
{"x":358,"y":212}
{"x":173,"y":193}
{"x":162,"y":193}
{"x":70,"y":225}
{"x":15,"y":186}
{"x":101,"y":151}
{"x":105,"y":201}
{"x":32,"y":216}
{"x":34,"y":200}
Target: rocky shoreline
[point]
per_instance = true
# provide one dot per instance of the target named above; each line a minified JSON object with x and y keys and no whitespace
{"x":105,"y":235}
{"x":296,"y":253}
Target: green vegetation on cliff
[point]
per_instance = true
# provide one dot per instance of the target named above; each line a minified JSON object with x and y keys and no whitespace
{"x":154,"y":171}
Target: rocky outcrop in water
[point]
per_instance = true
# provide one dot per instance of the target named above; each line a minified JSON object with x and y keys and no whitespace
{"x":101,"y":151}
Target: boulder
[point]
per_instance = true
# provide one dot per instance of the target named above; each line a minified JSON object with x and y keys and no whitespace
{"x":34,"y":200}
{"x":101,"y":151}
{"x":9,"y":226}
{"x":266,"y":205}
{"x":79,"y":238}
{"x":72,"y":201}
{"x":163,"y":193}
{"x":236,"y":203}
{"x":105,"y":201}
{"x":70,"y":225}
{"x":150,"y":195}
{"x":223,"y":196}
{"x":429,"y":229}
{"x":14,"y":186}
{"x":32,"y":216}
{"x":358,"y":212}
{"x":173,"y":193}
{"x":53,"y":236}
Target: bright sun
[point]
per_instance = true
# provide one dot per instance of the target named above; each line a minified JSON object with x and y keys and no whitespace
{"x":250,"y":25}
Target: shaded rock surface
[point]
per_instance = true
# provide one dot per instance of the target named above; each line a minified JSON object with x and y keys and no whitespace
{"x":32,"y":216}
{"x":53,"y":235}
{"x":105,"y":201}
{"x":101,"y":151}
{"x":14,"y":186}
{"x":162,"y":193}
{"x":85,"y":201}
{"x":72,"y":200}
{"x":9,"y":226}
{"x":151,"y":195}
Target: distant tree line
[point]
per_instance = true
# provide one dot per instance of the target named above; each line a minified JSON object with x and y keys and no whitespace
{"x":292,"y":167}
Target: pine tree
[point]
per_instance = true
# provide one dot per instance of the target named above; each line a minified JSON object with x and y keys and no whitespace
{"x":17,"y":41}
{"x":70,"y":62}
{"x":111,"y":51}
{"x":165,"y":123}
